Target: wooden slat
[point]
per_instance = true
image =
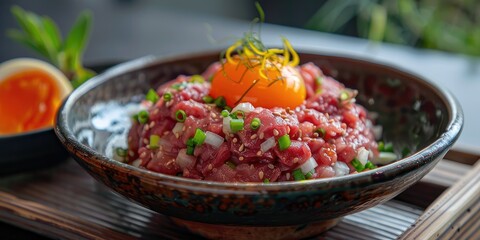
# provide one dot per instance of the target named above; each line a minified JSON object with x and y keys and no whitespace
{"x":454,"y":209}
{"x":66,"y":203}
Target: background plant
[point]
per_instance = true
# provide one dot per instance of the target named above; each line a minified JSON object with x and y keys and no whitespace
{"x":449,"y":25}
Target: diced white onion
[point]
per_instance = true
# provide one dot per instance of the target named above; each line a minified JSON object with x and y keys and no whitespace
{"x":226,"y":125}
{"x":309,"y":165}
{"x":341,"y":169}
{"x":245,"y":107}
{"x":184,"y":160}
{"x":377,"y":131}
{"x":385,"y":158}
{"x":213,"y":139}
{"x":269,"y":143}
{"x":178,"y":128}
{"x":137,"y":163}
{"x":362,"y":155}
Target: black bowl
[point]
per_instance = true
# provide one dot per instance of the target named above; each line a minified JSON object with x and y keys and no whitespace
{"x":415,"y":113}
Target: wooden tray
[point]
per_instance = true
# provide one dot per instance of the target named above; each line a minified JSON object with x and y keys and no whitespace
{"x":65,"y":202}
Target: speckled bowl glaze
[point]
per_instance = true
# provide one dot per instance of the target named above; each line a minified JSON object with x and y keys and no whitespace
{"x":414,"y":112}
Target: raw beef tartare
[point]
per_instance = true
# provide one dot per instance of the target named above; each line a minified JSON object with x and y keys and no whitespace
{"x":255,"y":116}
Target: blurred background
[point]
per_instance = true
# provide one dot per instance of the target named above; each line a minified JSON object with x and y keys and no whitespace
{"x":146,"y":26}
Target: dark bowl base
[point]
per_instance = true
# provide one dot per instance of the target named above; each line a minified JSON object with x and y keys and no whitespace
{"x":239,"y":232}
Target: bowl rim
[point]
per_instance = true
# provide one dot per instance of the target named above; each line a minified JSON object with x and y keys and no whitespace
{"x":401,"y":167}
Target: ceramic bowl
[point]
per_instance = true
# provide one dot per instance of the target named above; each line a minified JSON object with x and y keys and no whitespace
{"x":415,"y":113}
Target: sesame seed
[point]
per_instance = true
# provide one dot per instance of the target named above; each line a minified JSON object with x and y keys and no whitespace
{"x":155,"y":111}
{"x":300,"y":133}
{"x":235,"y":140}
{"x":271,"y":166}
{"x":241,"y":158}
{"x":241,"y":148}
{"x":210,"y":167}
{"x":299,"y":139}
{"x":260,"y":175}
{"x":261,"y":136}
{"x":145,"y":141}
{"x":275,"y":132}
{"x":152,"y":124}
{"x":288,"y":129}
{"x":259,"y":153}
{"x":213,"y":115}
{"x":165,"y":133}
{"x":253,"y":136}
{"x":177,"y":135}
{"x":315,"y":134}
{"x":231,"y":135}
{"x":295,"y":160}
{"x":147,"y":127}
{"x":287,"y":176}
{"x":183,"y":128}
{"x":131,"y":153}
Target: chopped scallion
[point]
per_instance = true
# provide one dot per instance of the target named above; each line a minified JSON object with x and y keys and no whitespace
{"x":321,"y":132}
{"x":199,"y":136}
{"x":298,"y":175}
{"x":190,"y":150}
{"x":154,"y":141}
{"x":197,"y":79}
{"x":180,"y":116}
{"x":167,"y":97}
{"x":208,"y":99}
{"x":370,"y":165}
{"x":121,"y":152}
{"x":388,"y":147}
{"x":229,"y":109}
{"x":309,"y":175}
{"x":152,"y":96}
{"x":344,"y":96}
{"x":225,"y":113}
{"x":284,"y":142}
{"x":266,"y":180}
{"x":220,"y":102}
{"x":191,"y":142}
{"x":236,"y":125}
{"x":255,"y":124}
{"x":238,"y":114}
{"x":357,"y":165}
{"x":143,"y":117}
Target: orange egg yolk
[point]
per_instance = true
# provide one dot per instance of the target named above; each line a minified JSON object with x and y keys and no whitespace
{"x":28,"y":101}
{"x":278,"y":86}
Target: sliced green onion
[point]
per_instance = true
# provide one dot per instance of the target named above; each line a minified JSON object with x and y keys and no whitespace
{"x":225,"y":113}
{"x":266,"y":180}
{"x":199,"y":136}
{"x":197,"y":79}
{"x":236,"y":125}
{"x":152,"y":96}
{"x":190,"y":150}
{"x":370,"y":165}
{"x":178,"y":86}
{"x":121,"y":152}
{"x":180,"y":116}
{"x":309,"y":175}
{"x":298,"y":175}
{"x":231,"y":164}
{"x":321,"y":132}
{"x":154,"y":141}
{"x":238,"y":114}
{"x":167,"y":97}
{"x":191,"y":142}
{"x":255,"y":124}
{"x":357,"y":165}
{"x":284,"y":142}
{"x":381,"y":146}
{"x":229,"y":109}
{"x":220,"y":102}
{"x":344,"y":96}
{"x":388,"y":147}
{"x":143,"y":117}
{"x":208,"y":99}
{"x":135,"y":118}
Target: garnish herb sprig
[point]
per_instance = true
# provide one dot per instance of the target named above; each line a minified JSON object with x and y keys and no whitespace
{"x":41,"y":34}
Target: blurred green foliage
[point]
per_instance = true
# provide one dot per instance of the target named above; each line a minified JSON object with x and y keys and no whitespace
{"x":448,"y":25}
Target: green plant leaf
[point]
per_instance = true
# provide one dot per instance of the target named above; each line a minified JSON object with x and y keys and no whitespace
{"x":20,"y":37}
{"x":76,"y":40}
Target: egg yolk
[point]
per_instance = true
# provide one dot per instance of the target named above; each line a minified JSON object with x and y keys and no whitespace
{"x":278,"y":86}
{"x":28,"y":101}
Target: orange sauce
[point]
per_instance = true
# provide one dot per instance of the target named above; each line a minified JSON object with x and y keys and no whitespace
{"x":28,"y":101}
